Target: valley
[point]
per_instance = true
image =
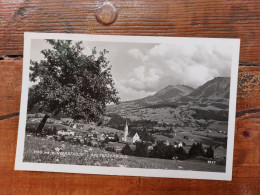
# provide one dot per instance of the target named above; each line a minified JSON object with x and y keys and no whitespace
{"x":179,"y":113}
{"x":168,"y":125}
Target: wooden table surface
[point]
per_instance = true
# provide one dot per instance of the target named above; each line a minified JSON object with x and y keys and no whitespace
{"x":185,"y":18}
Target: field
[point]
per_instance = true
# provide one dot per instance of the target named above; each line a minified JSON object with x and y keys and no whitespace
{"x":187,"y":126}
{"x":44,"y":150}
{"x":79,"y":131}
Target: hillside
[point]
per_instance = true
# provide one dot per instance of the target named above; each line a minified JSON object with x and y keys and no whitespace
{"x":217,"y":88}
{"x":206,"y":106}
{"x":172,"y":92}
{"x":168,"y":94}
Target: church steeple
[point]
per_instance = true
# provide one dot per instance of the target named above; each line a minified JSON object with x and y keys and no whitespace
{"x":125,"y":131}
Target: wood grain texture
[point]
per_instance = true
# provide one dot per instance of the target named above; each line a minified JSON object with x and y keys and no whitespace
{"x":246,"y":170}
{"x":189,"y":18}
{"x":196,"y":18}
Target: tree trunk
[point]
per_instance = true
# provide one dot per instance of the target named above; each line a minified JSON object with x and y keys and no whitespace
{"x":42,"y":123}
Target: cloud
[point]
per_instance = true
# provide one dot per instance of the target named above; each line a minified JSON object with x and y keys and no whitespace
{"x":142,"y":69}
{"x":129,"y":93}
{"x":165,"y":64}
{"x":136,"y":53}
{"x":143,"y":78}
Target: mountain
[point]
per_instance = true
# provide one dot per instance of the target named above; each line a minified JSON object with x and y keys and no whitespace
{"x":167,"y":94}
{"x":217,"y":88}
{"x":172,"y":92}
{"x":181,"y":106}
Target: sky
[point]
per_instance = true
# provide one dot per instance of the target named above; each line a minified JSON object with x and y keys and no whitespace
{"x":142,"y":69}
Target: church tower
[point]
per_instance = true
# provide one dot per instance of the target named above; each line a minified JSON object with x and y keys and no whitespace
{"x":125,"y":131}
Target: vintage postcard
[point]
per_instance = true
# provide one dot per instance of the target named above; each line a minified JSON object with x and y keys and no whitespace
{"x":128,"y":105}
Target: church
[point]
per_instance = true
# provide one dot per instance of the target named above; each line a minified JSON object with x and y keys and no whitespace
{"x":129,"y":139}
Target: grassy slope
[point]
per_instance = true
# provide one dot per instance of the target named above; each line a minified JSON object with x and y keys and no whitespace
{"x":86,"y":127}
{"x":83,"y":155}
{"x":181,"y":117}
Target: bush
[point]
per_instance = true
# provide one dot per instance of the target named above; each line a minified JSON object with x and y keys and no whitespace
{"x":106,"y":140}
{"x":116,"y":138}
{"x":196,"y":150}
{"x":110,"y":149}
{"x":167,"y":152}
{"x":31,"y":128}
{"x":49,"y":130}
{"x":209,"y":152}
{"x":141,"y":149}
{"x":181,"y":153}
{"x":221,"y":115}
{"x":126,"y":150}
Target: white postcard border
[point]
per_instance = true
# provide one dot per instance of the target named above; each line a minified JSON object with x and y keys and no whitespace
{"x":20,"y":165}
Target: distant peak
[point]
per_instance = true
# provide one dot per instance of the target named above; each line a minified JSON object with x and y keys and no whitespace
{"x":221,"y":78}
{"x":184,"y":86}
{"x":169,"y":86}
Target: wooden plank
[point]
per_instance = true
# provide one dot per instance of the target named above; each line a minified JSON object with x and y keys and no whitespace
{"x":190,"y":18}
{"x":10,"y":85}
{"x":247,"y":95}
{"x":203,"y":18}
{"x":248,"y":90}
{"x":246,"y":172}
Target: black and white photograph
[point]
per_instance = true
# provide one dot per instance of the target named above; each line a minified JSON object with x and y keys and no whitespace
{"x":128,"y":105}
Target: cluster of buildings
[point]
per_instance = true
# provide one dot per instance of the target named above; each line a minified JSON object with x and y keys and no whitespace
{"x":98,"y":137}
{"x":94,"y":135}
{"x":115,"y":140}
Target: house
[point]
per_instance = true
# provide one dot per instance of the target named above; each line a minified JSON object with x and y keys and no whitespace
{"x":128,"y":140}
{"x":93,"y":131}
{"x":117,"y":146}
{"x":81,"y":140}
{"x":72,"y":133}
{"x":180,"y":144}
{"x":101,"y":137}
{"x":150,"y":147}
{"x":94,"y":143}
{"x":63,"y":132}
{"x":80,"y":126}
{"x":91,"y":136}
{"x":136,"y":138}
{"x":111,"y":136}
{"x":131,"y":139}
{"x":118,"y":150}
{"x":177,"y":145}
{"x":166,"y":142}
{"x":67,"y":120}
{"x":220,"y":152}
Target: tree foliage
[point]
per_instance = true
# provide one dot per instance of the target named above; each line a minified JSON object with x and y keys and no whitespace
{"x":141,"y":149}
{"x":196,"y":150}
{"x":210,"y":152}
{"x":127,"y":150}
{"x":71,"y":82}
{"x":164,"y":151}
{"x":116,"y":138}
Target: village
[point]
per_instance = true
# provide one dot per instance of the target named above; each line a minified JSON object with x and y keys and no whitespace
{"x":146,"y":144}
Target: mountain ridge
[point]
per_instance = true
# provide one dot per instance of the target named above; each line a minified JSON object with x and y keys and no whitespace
{"x":215,"y":88}
{"x":168,"y":93}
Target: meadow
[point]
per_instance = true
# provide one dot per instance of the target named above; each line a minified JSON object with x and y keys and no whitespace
{"x":47,"y":150}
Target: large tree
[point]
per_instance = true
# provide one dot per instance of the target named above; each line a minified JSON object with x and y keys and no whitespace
{"x":70,"y":82}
